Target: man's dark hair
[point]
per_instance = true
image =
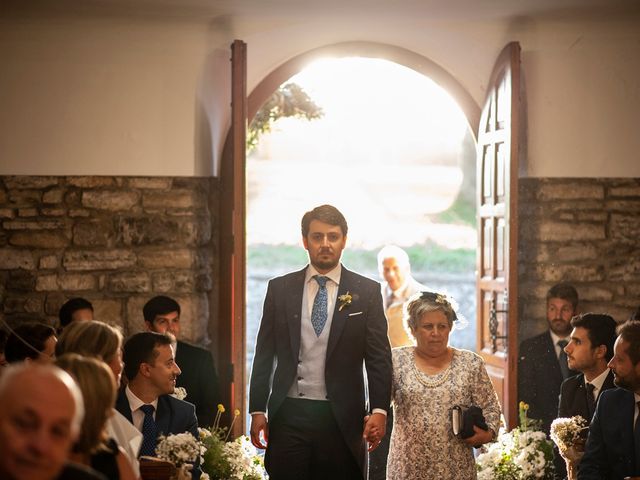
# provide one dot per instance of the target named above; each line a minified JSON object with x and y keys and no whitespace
{"x":141,"y":348}
{"x":601,"y":329}
{"x":564,"y":291}
{"x":327,"y":214}
{"x":630,"y":333}
{"x":67,"y":310}
{"x":635,"y":315}
{"x":27,"y":341}
{"x":159,"y":305}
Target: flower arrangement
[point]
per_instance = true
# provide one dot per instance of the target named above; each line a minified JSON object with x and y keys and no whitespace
{"x":180,"y":393}
{"x":568,"y":435}
{"x":229,"y":460}
{"x":524,"y":453}
{"x":179,"y":448}
{"x":344,"y":301}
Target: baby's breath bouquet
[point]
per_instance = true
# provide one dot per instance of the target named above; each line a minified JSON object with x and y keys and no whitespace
{"x":224,"y":459}
{"x":524,"y":453}
{"x":568,"y":434}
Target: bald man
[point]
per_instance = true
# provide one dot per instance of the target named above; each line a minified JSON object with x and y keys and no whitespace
{"x":40,"y":419}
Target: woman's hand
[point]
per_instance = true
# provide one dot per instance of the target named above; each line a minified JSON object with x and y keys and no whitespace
{"x":480,"y":437}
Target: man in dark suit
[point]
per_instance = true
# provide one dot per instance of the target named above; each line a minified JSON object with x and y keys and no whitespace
{"x":589,"y":350}
{"x":543,"y":363}
{"x":613,"y":445}
{"x":146,"y":401}
{"x":198,"y":378}
{"x":319,"y":326}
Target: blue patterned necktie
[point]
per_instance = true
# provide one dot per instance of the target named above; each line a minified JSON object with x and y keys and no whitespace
{"x":319,"y":310}
{"x":149,"y":433}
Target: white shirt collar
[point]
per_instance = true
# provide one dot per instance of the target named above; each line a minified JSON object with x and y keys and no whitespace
{"x":598,"y":381}
{"x":135,"y":403}
{"x":334,"y":275}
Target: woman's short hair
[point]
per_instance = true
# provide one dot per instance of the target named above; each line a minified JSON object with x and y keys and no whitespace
{"x":27,"y":340}
{"x":91,"y":339}
{"x":98,"y":389}
{"x":425,"y":302}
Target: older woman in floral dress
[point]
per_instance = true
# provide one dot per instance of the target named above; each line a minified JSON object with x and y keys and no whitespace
{"x":429,"y":379}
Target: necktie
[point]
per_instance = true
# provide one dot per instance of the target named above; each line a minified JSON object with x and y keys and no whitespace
{"x":149,"y":433}
{"x":591,"y":402}
{"x":319,"y":310}
{"x":564,"y":366}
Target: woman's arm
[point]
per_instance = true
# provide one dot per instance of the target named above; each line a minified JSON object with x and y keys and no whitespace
{"x":124,"y":467}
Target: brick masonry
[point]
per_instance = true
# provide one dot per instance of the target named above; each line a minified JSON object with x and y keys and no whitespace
{"x":585,"y":231}
{"x":116,"y":241}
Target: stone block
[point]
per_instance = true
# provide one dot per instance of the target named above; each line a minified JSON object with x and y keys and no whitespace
{"x":625,"y":271}
{"x":194,"y":317}
{"x":196,"y":231}
{"x":623,"y":206}
{"x":79,"y":212}
{"x":53,"y":196}
{"x":98,"y":260}
{"x":90,"y":182}
{"x":22,"y":281}
{"x":34,"y":224}
{"x":134,"y":321}
{"x":595,"y":294}
{"x":108,"y":311}
{"x":53,"y":302}
{"x":550,"y":231}
{"x":27,"y":212}
{"x":24,"y":198}
{"x":573,"y":252}
{"x":76,"y":282}
{"x":94,"y":233}
{"x":149,"y":231}
{"x":554,"y":273}
{"x":166,"y":258}
{"x":625,"y":227}
{"x":590,"y":216}
{"x":12,"y":258}
{"x":33,"y":305}
{"x":112,"y":200}
{"x":184,"y":282}
{"x":625,"y":191}
{"x":7,"y":213}
{"x":72,"y":197}
{"x":13,"y":304}
{"x":48,"y":262}
{"x":138,"y":282}
{"x":3,"y":196}
{"x":47,"y":283}
{"x":570,"y":191}
{"x":53,"y":212}
{"x":150,"y":183}
{"x":173,"y":199}
{"x":24,"y":181}
{"x":162,"y":282}
{"x":35,"y":239}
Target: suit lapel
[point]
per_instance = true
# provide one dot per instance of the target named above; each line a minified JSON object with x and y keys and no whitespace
{"x":293,"y":305}
{"x":348,"y":283}
{"x":163,"y":415}
{"x":122,"y":405}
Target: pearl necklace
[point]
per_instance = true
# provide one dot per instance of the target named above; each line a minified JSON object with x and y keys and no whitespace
{"x":422,"y":377}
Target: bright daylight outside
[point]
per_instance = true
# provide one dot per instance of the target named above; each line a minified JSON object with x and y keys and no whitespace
{"x":393,"y":152}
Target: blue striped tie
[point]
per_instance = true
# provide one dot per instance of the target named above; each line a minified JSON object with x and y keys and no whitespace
{"x":319,"y":310}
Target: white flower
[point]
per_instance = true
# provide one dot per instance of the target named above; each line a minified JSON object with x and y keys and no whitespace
{"x":178,"y":449}
{"x":180,"y":393}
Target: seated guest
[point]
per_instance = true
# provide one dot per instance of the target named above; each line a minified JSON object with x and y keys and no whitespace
{"x":75,"y":310}
{"x":146,"y":401}
{"x":104,"y":342}
{"x":589,"y":350}
{"x":93,"y":447}
{"x":610,"y":451}
{"x":31,"y":342}
{"x":47,"y":400}
{"x":429,"y":379}
{"x":198,"y":378}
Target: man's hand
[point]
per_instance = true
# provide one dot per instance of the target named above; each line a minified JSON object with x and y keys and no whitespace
{"x":259,"y":424}
{"x":480,"y":437}
{"x":375,"y":426}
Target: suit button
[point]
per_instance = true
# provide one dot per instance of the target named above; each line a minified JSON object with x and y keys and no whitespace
{"x":301,"y":394}
{"x":299,"y":378}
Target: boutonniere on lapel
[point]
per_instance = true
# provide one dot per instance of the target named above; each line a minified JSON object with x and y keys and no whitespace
{"x":344,"y":301}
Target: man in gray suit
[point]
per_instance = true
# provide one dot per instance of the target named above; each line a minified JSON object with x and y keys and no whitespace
{"x":319,"y":326}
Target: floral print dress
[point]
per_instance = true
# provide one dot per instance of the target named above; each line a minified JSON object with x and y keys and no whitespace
{"x":423,"y":446}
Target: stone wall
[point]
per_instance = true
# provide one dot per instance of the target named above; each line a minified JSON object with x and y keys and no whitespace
{"x":116,"y":241}
{"x":585,"y":231}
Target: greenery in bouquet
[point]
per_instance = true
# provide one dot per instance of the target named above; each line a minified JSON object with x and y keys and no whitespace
{"x":524,"y":453}
{"x":223,"y":459}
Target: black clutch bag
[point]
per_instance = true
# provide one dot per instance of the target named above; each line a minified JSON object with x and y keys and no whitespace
{"x":464,"y":418}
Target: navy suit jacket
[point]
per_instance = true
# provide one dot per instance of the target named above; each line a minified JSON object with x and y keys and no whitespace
{"x":573,"y":396}
{"x":609,"y":453}
{"x":358,"y":336}
{"x":539,"y":378}
{"x":172,"y":416}
{"x":200,"y":380}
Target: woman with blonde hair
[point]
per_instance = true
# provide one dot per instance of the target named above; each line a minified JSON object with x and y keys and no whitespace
{"x":104,"y":342}
{"x":94,"y":448}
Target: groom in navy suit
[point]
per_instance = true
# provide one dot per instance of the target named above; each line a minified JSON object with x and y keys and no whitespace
{"x":613,"y":446}
{"x":319,"y":327}
{"x":146,"y":401}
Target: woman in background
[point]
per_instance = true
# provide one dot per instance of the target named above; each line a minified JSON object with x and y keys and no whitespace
{"x":429,"y":379}
{"x":94,"y":448}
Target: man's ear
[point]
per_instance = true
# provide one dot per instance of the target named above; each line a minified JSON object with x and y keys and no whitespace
{"x":149,"y":325}
{"x":601,"y":352}
{"x":144,"y":370}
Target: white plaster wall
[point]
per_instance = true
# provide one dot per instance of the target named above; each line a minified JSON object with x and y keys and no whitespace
{"x":124,"y":96}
